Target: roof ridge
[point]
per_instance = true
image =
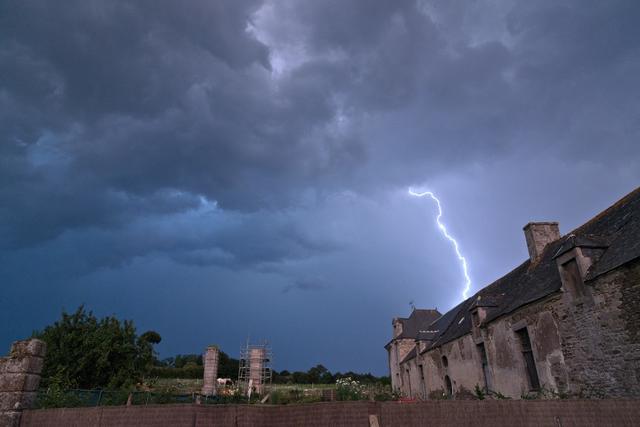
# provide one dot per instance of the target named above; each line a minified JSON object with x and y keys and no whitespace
{"x":628,"y":197}
{"x":616,"y":205}
{"x":530,"y":281}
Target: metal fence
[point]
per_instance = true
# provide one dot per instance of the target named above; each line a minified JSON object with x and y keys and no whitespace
{"x":86,"y":398}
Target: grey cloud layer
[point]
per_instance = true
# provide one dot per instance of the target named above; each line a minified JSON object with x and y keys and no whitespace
{"x":274,"y":137}
{"x":103,"y":100}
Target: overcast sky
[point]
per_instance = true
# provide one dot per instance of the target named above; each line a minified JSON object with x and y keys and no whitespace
{"x":221,"y":169}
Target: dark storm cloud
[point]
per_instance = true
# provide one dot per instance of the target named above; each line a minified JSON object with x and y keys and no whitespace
{"x":111,"y":104}
{"x":136,"y":99}
{"x":269,"y":144}
{"x":305,"y":285}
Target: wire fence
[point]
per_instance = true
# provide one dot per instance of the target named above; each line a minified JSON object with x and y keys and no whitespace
{"x":276,"y":394}
{"x":87,"y":398}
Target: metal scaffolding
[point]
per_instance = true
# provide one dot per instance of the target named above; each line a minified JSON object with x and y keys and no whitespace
{"x":255,"y":371}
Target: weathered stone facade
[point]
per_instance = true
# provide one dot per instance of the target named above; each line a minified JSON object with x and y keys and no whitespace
{"x":403,"y":345}
{"x":565,"y":322}
{"x":210,"y":372}
{"x":19,"y":379}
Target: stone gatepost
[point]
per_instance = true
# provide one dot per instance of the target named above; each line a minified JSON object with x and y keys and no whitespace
{"x":211,"y":359}
{"x":19,"y":379}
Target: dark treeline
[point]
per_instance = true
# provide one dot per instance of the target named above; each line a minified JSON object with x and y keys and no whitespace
{"x":87,"y":352}
{"x":190,"y":366}
{"x":321,"y":375}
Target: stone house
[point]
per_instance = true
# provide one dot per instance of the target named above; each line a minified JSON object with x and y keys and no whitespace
{"x":564,"y":322}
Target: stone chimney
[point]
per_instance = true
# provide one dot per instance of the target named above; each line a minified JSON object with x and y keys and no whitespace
{"x":538,"y":235}
{"x":397,"y":327}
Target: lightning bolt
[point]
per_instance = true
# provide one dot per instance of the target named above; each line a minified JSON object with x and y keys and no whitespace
{"x":443,"y":228}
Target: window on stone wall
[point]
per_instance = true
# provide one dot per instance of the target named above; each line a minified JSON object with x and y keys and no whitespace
{"x":448,"y":386}
{"x":485,"y":366}
{"x":529,"y":361}
{"x":445,"y":362}
{"x":423,"y":383}
{"x":571,"y":278}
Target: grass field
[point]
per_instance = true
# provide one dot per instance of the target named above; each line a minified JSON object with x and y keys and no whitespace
{"x":179,"y":385}
{"x":189,"y":385}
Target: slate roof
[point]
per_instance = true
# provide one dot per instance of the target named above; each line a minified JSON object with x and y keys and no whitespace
{"x":417,"y":323}
{"x":615,"y":230}
{"x":573,"y":241}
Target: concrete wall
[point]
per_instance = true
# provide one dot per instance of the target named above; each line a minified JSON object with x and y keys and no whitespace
{"x":19,"y":379}
{"x":323,"y":414}
{"x":490,"y":413}
{"x":509,"y":413}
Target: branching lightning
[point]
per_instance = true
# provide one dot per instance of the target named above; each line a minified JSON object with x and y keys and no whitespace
{"x":443,"y":228}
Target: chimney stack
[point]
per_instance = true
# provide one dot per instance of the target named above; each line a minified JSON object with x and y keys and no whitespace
{"x":538,"y":235}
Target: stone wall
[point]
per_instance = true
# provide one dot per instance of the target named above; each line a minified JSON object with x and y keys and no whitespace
{"x":210,"y":372}
{"x":601,"y":335}
{"x":413,"y":385}
{"x":19,"y":379}
{"x":398,"y":349}
{"x":507,"y":366}
{"x":463,"y":367}
{"x":586,"y":345}
{"x":490,"y":413}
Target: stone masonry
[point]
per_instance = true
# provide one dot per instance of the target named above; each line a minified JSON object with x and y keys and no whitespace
{"x":566,"y":322}
{"x":19,"y":379}
{"x":211,"y":360}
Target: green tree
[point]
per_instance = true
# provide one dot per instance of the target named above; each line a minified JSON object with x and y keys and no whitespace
{"x":86,"y":352}
{"x":314,"y":374}
{"x":228,"y":366}
{"x":181,"y":360}
{"x":300,"y":377}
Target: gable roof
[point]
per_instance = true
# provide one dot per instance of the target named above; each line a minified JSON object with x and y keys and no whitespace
{"x":416,"y":324}
{"x":616,"y":230}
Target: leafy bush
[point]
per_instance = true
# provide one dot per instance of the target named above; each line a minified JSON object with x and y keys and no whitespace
{"x":348,"y":389}
{"x":498,"y":395}
{"x":384,"y":396}
{"x":86,"y":352}
{"x":57,"y":397}
{"x":479,"y":392}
